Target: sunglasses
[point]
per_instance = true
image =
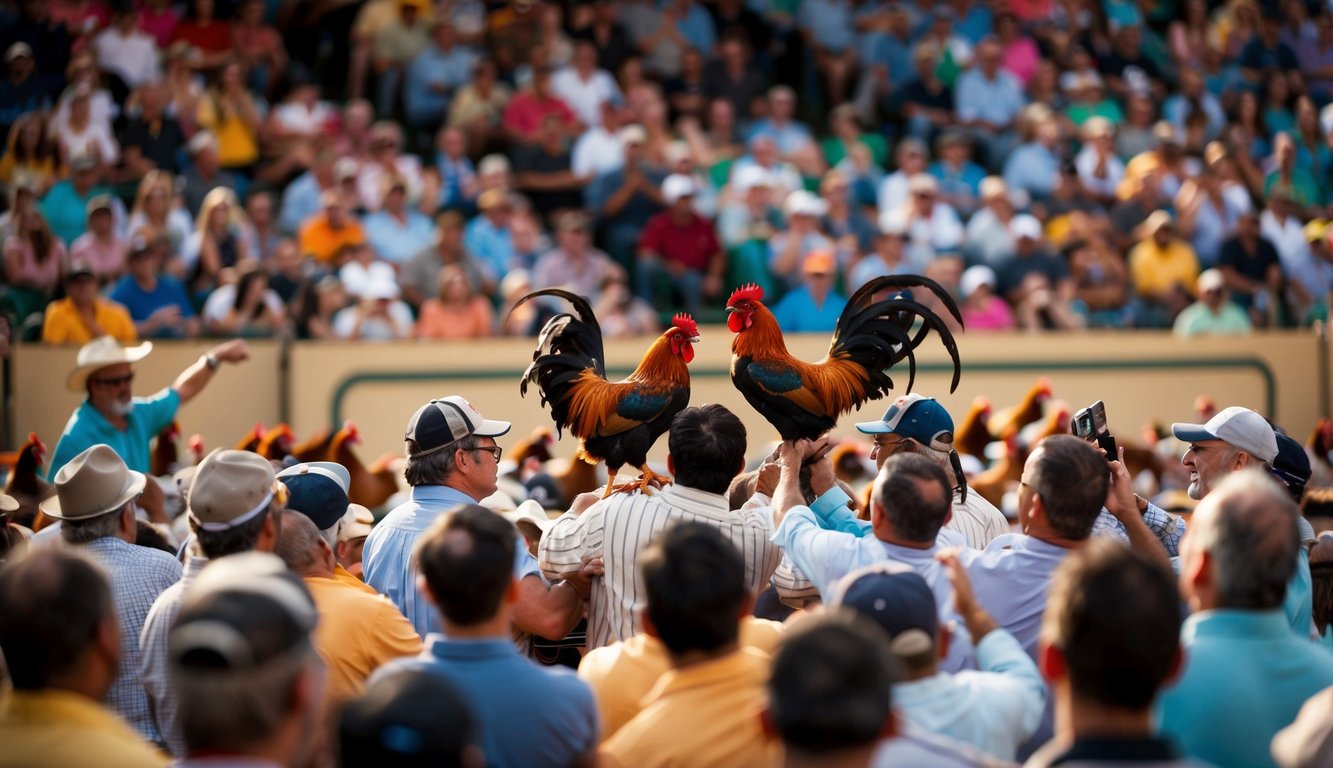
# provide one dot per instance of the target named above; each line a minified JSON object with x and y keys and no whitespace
{"x":118,"y":381}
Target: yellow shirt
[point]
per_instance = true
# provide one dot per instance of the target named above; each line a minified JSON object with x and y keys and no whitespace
{"x":62,"y":728}
{"x":703,"y":715}
{"x":238,"y":145}
{"x":64,"y":325}
{"x":322,"y":241}
{"x":622,"y":673}
{"x":1154,"y":270}
{"x":357,"y":632}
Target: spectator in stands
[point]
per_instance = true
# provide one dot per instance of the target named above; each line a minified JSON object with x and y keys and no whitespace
{"x":126,"y":52}
{"x":1088,"y":100}
{"x":680,"y":248}
{"x":100,"y":247}
{"x":218,"y":241}
{"x":258,"y":47}
{"x":433,"y":75}
{"x":600,"y":149}
{"x":889,"y":257}
{"x":65,"y":206}
{"x":1249,"y":264}
{"x":361,"y":267}
{"x":206,"y":33}
{"x":457,"y":177}
{"x":394,"y":47}
{"x":396,"y":231}
{"x":1235,"y":565}
{"x":478,"y":105}
{"x":1101,"y":281}
{"x":816,"y":305}
{"x":911,"y":157}
{"x":787,"y":249}
{"x":487,"y":236}
{"x":260,"y":229}
{"x":320,"y":302}
{"x":419,"y":278}
{"x":244,"y":640}
{"x":526,"y":114}
{"x":733,"y":76}
{"x":326,"y":233}
{"x":61,"y":641}
{"x":1034,"y":166}
{"x":745,"y":225}
{"x":29,"y":157}
{"x":988,"y":100}
{"x":300,"y":117}
{"x":386,"y":158}
{"x":959,"y":178}
{"x":574,"y":264}
{"x":153,"y":138}
{"x":34,"y":266}
{"x":930,"y":226}
{"x":544,"y":172}
{"x":243,"y":305}
{"x":982,"y":309}
{"x":229,"y":112}
{"x":181,"y":83}
{"x":583,"y":86}
{"x":22,"y":91}
{"x":783,"y":175}
{"x":843,"y":220}
{"x":927,"y":102}
{"x":795,"y":143}
{"x":1265,"y":57}
{"x":205,"y":172}
{"x":379,"y":315}
{"x":157,"y":214}
{"x":1311,"y":277}
{"x":1164,"y":270}
{"x":83,"y":315}
{"x":1100,"y":170}
{"x":156,"y":301}
{"x":457,"y":311}
{"x":1213,"y":313}
{"x":987,"y":238}
{"x":80,"y":134}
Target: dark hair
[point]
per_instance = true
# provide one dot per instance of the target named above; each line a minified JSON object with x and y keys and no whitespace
{"x":694,"y":580}
{"x":1321,"y":578}
{"x":51,"y":603}
{"x":1072,"y":479}
{"x":147,"y":535}
{"x":433,"y":468}
{"x":12,"y":539}
{"x":467,"y":559}
{"x":1115,"y":614}
{"x":904,"y":491}
{"x":407,"y":718}
{"x":242,"y":538}
{"x":829,"y":690}
{"x":243,"y":283}
{"x":707,"y":445}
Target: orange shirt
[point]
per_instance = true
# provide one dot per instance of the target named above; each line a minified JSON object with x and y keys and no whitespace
{"x":474,"y":320}
{"x":64,"y":325}
{"x":357,"y":632}
{"x":322,"y":241}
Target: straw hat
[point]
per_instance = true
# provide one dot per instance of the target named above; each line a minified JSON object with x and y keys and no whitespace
{"x":92,"y":484}
{"x":99,"y":353}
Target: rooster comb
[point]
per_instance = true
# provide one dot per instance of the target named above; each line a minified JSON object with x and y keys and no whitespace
{"x":750,"y":291}
{"x":685,"y":323}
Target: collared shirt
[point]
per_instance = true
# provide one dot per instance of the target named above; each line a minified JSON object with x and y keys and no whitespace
{"x":433,"y":67}
{"x":54,"y":727}
{"x":154,"y":662}
{"x":387,"y":557}
{"x":1155,"y":270}
{"x":356,"y":634}
{"x":996,"y":101}
{"x":585,"y":97}
{"x":64,"y":323}
{"x":1246,"y":675}
{"x":704,"y":714}
{"x":825,"y":557}
{"x":1011,"y":578}
{"x":138,"y":576}
{"x":618,"y":528}
{"x":87,"y":427}
{"x":583,"y":276}
{"x":694,"y":245}
{"x":1148,"y":752}
{"x":623,"y":673}
{"x":319,"y":239}
{"x":492,"y":246}
{"x":397,"y":241}
{"x":527,"y":716}
{"x":994,"y":710}
{"x":1167,"y":528}
{"x":797,"y":312}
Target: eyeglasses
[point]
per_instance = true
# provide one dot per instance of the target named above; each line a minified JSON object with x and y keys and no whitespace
{"x":118,"y":381}
{"x":493,"y":450}
{"x":886,"y":444}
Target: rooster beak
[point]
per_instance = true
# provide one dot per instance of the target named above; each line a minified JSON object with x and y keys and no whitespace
{"x":694,"y":339}
{"x":731,"y":310}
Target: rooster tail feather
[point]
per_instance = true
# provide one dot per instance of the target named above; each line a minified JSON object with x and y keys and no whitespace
{"x":569,"y":346}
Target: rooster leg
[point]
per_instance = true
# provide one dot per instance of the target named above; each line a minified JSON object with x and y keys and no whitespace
{"x":650,"y":479}
{"x":610,"y":483}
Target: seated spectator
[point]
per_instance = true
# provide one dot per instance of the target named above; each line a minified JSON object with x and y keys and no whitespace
{"x":527,"y":112}
{"x":205,"y":172}
{"x":228,"y":111}
{"x":158,"y":211}
{"x":626,"y":197}
{"x":419,"y":277}
{"x":1165,"y":167}
{"x":846,"y":132}
{"x":100,"y":247}
{"x":34,"y":266}
{"x":1311,"y":277}
{"x":959,"y":178}
{"x":65,"y":206}
{"x":1035,"y":281}
{"x":889,"y":257}
{"x":787,"y":250}
{"x":930,"y":226}
{"x":487,"y":236}
{"x":1164,"y":270}
{"x":600,"y":149}
{"x":156,"y":301}
{"x":1034,"y":166}
{"x":1213,"y":314}
{"x":378,"y":316}
{"x":459,"y":184}
{"x":218,"y":241}
{"x":126,"y":52}
{"x":396,"y":231}
{"x":745,"y":224}
{"x":152,"y":139}
{"x":324,"y":234}
{"x":478,"y":105}
{"x":1088,"y":100}
{"x":574,"y":264}
{"x":927,"y":102}
{"x":387,"y":158}
{"x":544,"y":171}
{"x":982,"y":310}
{"x":680,"y":247}
{"x":457,"y":311}
{"x":80,"y":134}
{"x":1101,"y":281}
{"x":622,"y":314}
{"x":258,"y":47}
{"x":300,"y":118}
{"x":1251,"y":268}
{"x":764,"y":154}
{"x":911,"y":157}
{"x":206,"y":33}
{"x":1135,"y":135}
{"x":320,"y":302}
{"x":986,"y":238}
{"x":29,"y":157}
{"x":988,"y":100}
{"x":815,"y":305}
{"x":793,"y":139}
{"x":1288,"y":178}
{"x":362,"y":267}
{"x":1209,"y":207}
{"x":261,"y":230}
{"x":181,"y":82}
{"x":394,"y":48}
{"x":82,"y":315}
{"x":23,"y":91}
{"x":1266,"y":57}
{"x":433,"y":75}
{"x":583,"y":87}
{"x":1100,"y":170}
{"x":1191,"y":98}
{"x":243,"y":305}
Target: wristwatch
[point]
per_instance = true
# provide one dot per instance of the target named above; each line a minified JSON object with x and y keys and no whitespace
{"x":211,"y":360}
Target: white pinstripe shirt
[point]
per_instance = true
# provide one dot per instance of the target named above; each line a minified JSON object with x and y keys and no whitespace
{"x":618,"y":528}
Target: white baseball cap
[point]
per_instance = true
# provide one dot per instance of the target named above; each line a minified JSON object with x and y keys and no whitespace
{"x":1239,"y":427}
{"x":676,"y":186}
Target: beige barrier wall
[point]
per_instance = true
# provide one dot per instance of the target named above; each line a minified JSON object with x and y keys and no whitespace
{"x":236,"y":398}
{"x":1142,"y":377}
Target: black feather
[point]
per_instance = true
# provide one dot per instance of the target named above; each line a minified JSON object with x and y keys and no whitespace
{"x":567,"y":346}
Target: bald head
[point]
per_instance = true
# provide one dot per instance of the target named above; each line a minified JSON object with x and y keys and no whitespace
{"x":301,"y":547}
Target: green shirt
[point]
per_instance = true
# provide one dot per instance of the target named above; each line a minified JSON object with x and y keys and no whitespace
{"x":1198,"y":320}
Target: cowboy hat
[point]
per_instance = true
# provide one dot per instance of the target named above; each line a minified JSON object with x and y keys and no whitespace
{"x":92,"y":484}
{"x":99,"y":353}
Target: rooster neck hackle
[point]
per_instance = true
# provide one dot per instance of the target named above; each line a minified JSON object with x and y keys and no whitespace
{"x":661,"y":365}
{"x":763,"y":336}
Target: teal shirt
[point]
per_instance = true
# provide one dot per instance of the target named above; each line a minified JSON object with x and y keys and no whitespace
{"x":1246,"y":676}
{"x":86,"y":428}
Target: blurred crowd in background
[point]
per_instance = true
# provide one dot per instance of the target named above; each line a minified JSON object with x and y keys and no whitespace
{"x":388,"y":169}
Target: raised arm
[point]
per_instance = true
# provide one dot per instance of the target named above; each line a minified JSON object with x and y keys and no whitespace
{"x":192,"y":380}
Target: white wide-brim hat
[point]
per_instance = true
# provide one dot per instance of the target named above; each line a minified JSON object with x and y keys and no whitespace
{"x":99,"y":353}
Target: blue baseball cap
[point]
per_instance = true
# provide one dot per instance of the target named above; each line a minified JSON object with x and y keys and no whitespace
{"x":899,"y":600}
{"x":915,"y":416}
{"x":318,"y":490}
{"x":1291,"y":465}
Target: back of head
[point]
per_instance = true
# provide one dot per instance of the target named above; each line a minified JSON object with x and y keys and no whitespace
{"x":298,"y":541}
{"x":695,"y":584}
{"x":51,"y":604}
{"x":1248,"y":526}
{"x":240,"y":644}
{"x":408,"y":719}
{"x":829,"y":687}
{"x":1072,"y":479}
{"x":467,"y":560}
{"x":232,"y":495}
{"x":916,"y":496}
{"x":1115,"y":614}
{"x":707,"y":445}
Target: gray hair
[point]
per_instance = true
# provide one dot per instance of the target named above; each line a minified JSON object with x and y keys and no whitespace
{"x":1253,"y":539}
{"x":296,"y":542}
{"x":433,"y":468}
{"x":92,"y":528}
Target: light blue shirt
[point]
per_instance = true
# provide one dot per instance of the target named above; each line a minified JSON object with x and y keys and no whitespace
{"x":798,"y":313}
{"x":697,"y":29}
{"x":300,"y":201}
{"x":526,"y":715}
{"x":789,"y":137}
{"x":1246,"y":676}
{"x":825,"y":557}
{"x":434,"y":67}
{"x":395,"y":242}
{"x":1298,"y":606}
{"x":996,"y":101}
{"x":1032,"y":168}
{"x":493,"y":247}
{"x":994,"y":710}
{"x":387,"y":557}
{"x":87,"y":427}
{"x":829,"y":23}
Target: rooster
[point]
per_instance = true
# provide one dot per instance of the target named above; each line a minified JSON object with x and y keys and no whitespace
{"x":314,"y":449}
{"x":197,"y":449}
{"x":972,"y":435}
{"x":25,"y":483}
{"x":276,"y":443}
{"x":617,"y":422}
{"x":804,"y":400}
{"x":536,"y":446}
{"x":1317,"y":447}
{"x":1027,"y":411}
{"x":166,"y":460}
{"x":371,"y":485}
{"x":995,"y":481}
{"x":251,"y":441}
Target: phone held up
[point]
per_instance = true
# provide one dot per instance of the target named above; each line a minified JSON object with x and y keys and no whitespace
{"x":1090,"y":424}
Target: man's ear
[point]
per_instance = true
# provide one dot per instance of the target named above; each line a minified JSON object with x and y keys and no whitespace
{"x":649,"y":628}
{"x":129,"y":523}
{"x":671,"y":465}
{"x":1051,"y":662}
{"x":268,"y":532}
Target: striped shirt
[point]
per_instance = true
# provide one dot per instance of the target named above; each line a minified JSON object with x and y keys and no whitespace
{"x":153,"y":666}
{"x":619,"y":527}
{"x":137,"y":575}
{"x":977,"y":519}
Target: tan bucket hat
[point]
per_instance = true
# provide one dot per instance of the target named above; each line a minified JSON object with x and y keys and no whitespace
{"x":92,"y":484}
{"x":99,"y":353}
{"x":230,"y":488}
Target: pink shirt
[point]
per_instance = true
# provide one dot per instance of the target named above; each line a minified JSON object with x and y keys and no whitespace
{"x":161,"y":25}
{"x":1021,"y":58}
{"x":995,"y":317}
{"x":46,"y":274}
{"x":107,"y":258}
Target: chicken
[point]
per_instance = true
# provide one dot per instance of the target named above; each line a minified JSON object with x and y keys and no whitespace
{"x":804,"y":400}
{"x":1028,"y":410}
{"x":972,"y":435}
{"x":166,"y":459}
{"x":995,"y":481}
{"x":1317,"y":447}
{"x":197,"y":449}
{"x":276,"y":444}
{"x":25,"y":483}
{"x":371,"y":485}
{"x":314,"y":449}
{"x":536,"y":446}
{"x":251,"y":441}
{"x":617,"y":422}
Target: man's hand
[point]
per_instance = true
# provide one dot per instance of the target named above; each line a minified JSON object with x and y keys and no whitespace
{"x":581,"y":580}
{"x":1120,"y":499}
{"x":234,"y":351}
{"x":769,"y":473}
{"x":979,"y":623}
{"x":153,"y":502}
{"x":822,"y":476}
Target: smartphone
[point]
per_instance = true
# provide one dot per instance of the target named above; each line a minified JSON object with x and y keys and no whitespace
{"x":1090,"y":424}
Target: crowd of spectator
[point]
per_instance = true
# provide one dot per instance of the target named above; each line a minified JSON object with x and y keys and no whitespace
{"x":397,"y":168}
